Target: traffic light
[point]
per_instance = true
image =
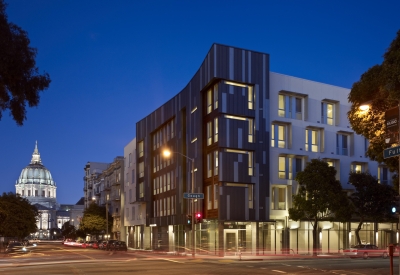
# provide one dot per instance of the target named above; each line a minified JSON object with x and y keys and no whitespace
{"x":189,"y":219}
{"x":199,"y":217}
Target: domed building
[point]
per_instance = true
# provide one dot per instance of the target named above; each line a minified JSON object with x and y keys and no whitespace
{"x":36,"y":183}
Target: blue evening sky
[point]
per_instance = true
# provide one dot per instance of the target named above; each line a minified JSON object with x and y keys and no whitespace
{"x":113,"y":62}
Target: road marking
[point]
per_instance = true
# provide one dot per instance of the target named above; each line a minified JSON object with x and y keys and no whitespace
{"x":279,"y":271}
{"x":169,"y":260}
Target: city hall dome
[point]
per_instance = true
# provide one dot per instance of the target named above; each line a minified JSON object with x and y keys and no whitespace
{"x":36,"y":172}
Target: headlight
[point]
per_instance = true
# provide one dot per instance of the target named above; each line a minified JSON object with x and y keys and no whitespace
{"x":34,"y":244}
{"x":24,"y":248}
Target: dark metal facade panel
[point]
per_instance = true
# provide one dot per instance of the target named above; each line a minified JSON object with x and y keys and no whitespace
{"x":221,"y":63}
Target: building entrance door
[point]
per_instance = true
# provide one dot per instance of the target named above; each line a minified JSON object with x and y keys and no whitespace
{"x":230,"y":242}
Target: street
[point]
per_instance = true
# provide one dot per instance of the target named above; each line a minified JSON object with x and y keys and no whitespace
{"x":57,"y":259}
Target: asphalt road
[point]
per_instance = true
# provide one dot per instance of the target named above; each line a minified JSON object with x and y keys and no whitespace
{"x":56,"y":259}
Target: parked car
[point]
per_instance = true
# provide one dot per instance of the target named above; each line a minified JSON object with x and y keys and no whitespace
{"x":90,"y":244}
{"x":118,"y":246}
{"x":96,"y":244}
{"x":13,"y":247}
{"x":109,"y":244}
{"x":366,"y":251}
{"x":102,"y":245}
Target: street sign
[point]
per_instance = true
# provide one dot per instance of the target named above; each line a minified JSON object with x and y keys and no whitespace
{"x":193,"y":195}
{"x":391,"y":152}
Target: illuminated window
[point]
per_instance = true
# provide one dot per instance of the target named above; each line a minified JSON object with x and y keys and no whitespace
{"x":209,"y":133}
{"x":251,"y":128}
{"x":251,"y":164}
{"x":250,"y":93}
{"x":278,"y":136}
{"x":312,"y":140}
{"x":215,"y":129}
{"x":249,"y":189}
{"x":141,"y":149}
{"x":289,"y":166}
{"x":209,"y":165}
{"x":141,"y":169}
{"x":327,"y":113}
{"x":216,"y":96}
{"x":278,"y":198}
{"x":215,"y":163}
{"x":209,"y":197}
{"x":209,"y":101}
{"x":290,"y":106}
{"x":216,"y":196}
{"x":282,"y":167}
{"x":141,"y":190}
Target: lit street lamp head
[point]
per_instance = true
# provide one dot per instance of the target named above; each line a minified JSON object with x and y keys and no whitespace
{"x":167,"y":153}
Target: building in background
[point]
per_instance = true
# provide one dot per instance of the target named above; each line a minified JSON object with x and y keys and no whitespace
{"x":36,"y":184}
{"x":137,"y":233}
{"x":92,"y":171}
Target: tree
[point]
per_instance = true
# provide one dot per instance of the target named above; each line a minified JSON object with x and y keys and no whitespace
{"x":372,"y":201}
{"x":94,"y":220}
{"x":380,"y":86}
{"x":68,"y":231}
{"x":18,"y":216}
{"x":20,"y":81}
{"x":320,"y":197}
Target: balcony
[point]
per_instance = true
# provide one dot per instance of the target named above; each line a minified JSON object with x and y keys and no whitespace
{"x":90,"y":186}
{"x":107,"y":187}
{"x":116,"y":197}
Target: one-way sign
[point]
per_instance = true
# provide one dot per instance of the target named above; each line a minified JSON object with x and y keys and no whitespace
{"x":391,"y":152}
{"x":193,"y":195}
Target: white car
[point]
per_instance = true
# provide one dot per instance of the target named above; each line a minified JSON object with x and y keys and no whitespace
{"x":366,"y":251}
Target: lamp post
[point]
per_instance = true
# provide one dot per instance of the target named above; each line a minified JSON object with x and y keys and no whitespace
{"x":167,"y":153}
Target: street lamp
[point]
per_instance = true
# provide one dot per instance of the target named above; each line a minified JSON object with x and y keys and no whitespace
{"x":167,"y":153}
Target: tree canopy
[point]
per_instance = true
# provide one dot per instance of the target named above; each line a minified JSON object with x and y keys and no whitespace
{"x":320,"y":197}
{"x":372,"y":201}
{"x":20,"y":81}
{"x":380,"y":87}
{"x":17,"y":216}
{"x":94,"y":220}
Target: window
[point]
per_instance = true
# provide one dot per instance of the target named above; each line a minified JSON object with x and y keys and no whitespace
{"x":141,"y":149}
{"x":290,"y":106}
{"x":215,"y":163}
{"x":278,"y":198}
{"x":216,"y":129}
{"x":216,"y":195}
{"x":312,"y":140}
{"x":130,"y":160}
{"x":383,"y":173}
{"x":29,"y":193}
{"x":127,"y":212}
{"x":209,"y":197}
{"x":250,"y":93}
{"x":278,"y":136}
{"x":251,"y":128}
{"x":209,"y":101}
{"x":358,"y":167}
{"x":250,"y":98}
{"x":43,"y":193}
{"x":327,"y":113}
{"x":141,"y":190}
{"x":133,"y":176}
{"x":251,"y":131}
{"x":250,"y":191}
{"x":342,"y":147}
{"x":251,"y":163}
{"x":209,"y":165}
{"x":141,"y":169}
{"x":36,"y":193}
{"x":133,"y":213}
{"x":216,"y":96}
{"x":209,"y":133}
{"x":168,"y":206}
{"x":23,"y":193}
{"x":288,"y":167}
{"x":250,"y":159}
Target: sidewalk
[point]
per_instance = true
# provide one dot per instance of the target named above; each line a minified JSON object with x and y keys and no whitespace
{"x":237,"y":257}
